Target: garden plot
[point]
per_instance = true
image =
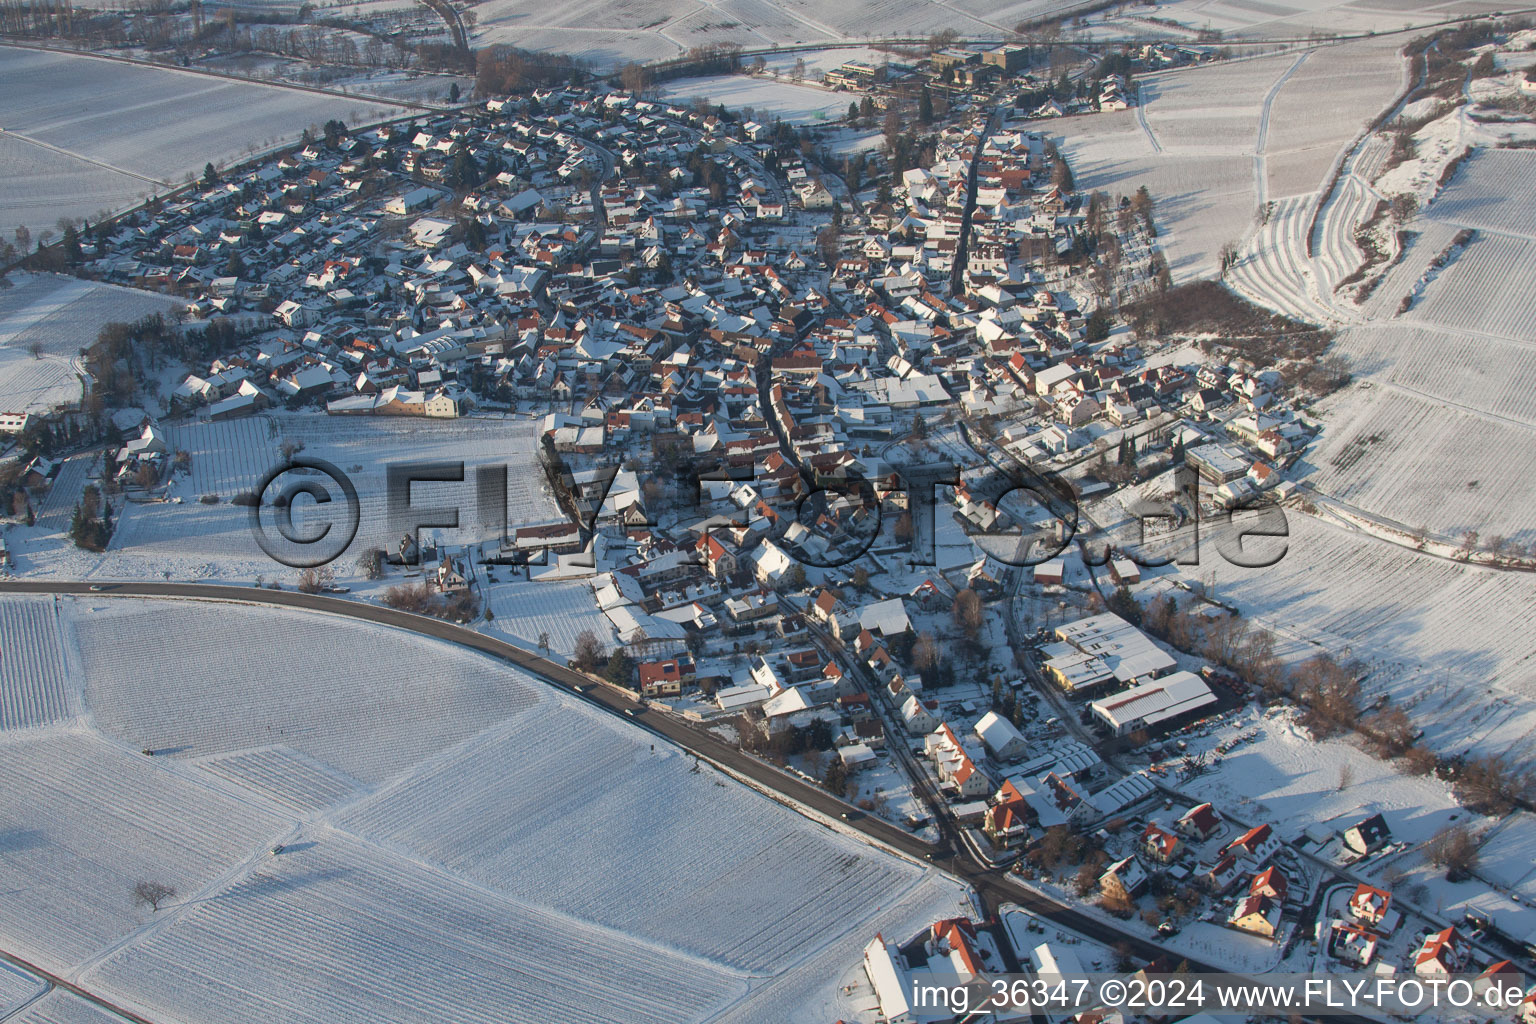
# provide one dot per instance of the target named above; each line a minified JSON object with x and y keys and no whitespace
{"x":1494,"y":190}
{"x":1284,"y":775}
{"x":1447,"y":641}
{"x":526,"y":610}
{"x":200,"y":680}
{"x":494,"y":808}
{"x":147,"y":127}
{"x":82,"y":821}
{"x":335,"y":930}
{"x":34,"y":687}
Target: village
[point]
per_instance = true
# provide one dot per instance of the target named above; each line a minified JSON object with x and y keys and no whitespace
{"x":745,"y":366}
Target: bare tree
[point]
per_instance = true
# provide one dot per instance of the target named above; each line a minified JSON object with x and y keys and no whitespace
{"x":967,"y":613}
{"x":926,"y":653}
{"x":1346,"y":776}
{"x":152,"y":895}
{"x":1453,"y":848}
{"x":588,"y":651}
{"x":544,"y":642}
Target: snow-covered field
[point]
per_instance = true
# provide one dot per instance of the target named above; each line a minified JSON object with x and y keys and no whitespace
{"x":610,"y":34}
{"x":16,"y":988}
{"x":649,"y":863}
{"x":766,"y":97}
{"x":59,"y":1007}
{"x":192,"y":540}
{"x":459,"y":841}
{"x":399,"y":702}
{"x":1441,"y":405}
{"x":1494,"y":190}
{"x":1288,"y":19}
{"x":56,"y":316}
{"x":1214,"y":143}
{"x":1446,"y":640}
{"x":1285,"y":776}
{"x":85,"y":820}
{"x":89,"y":133}
{"x":525,"y":610}
{"x":336,"y":929}
{"x":33,"y":687}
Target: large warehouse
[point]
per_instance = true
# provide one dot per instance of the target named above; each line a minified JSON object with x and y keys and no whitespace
{"x":1155,"y":704}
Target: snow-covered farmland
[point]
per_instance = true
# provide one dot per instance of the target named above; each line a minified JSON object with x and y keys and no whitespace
{"x":82,"y":820}
{"x":335,"y":929}
{"x":1324,"y":104}
{"x":609,"y":34}
{"x":43,"y":185}
{"x":117,"y":130}
{"x":1448,"y":641}
{"x":45,"y":320}
{"x":1289,"y":19}
{"x":192,"y":540}
{"x":525,"y":610}
{"x":33,"y":687}
{"x":391,"y":702}
{"x":766,"y":97}
{"x":1486,"y":290}
{"x":492,"y":809}
{"x":363,"y":446}
{"x":1213,"y":143}
{"x":60,"y":1007}
{"x":458,"y":842}
{"x":1437,"y":434}
{"x":16,"y":988}
{"x":1202,"y":201}
{"x":61,"y":315}
{"x":1494,"y":190}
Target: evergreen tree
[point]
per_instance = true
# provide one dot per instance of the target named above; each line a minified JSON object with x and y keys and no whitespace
{"x":71,"y":243}
{"x":925,"y":106}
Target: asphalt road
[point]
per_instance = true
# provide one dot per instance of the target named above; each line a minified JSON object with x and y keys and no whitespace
{"x":992,"y":884}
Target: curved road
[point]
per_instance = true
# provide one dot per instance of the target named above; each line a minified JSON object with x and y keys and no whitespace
{"x":993,"y":885}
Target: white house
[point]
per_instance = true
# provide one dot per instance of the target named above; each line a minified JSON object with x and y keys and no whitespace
{"x":1002,"y":740}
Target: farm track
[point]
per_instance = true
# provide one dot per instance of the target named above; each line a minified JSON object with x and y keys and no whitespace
{"x":1260,"y":171}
